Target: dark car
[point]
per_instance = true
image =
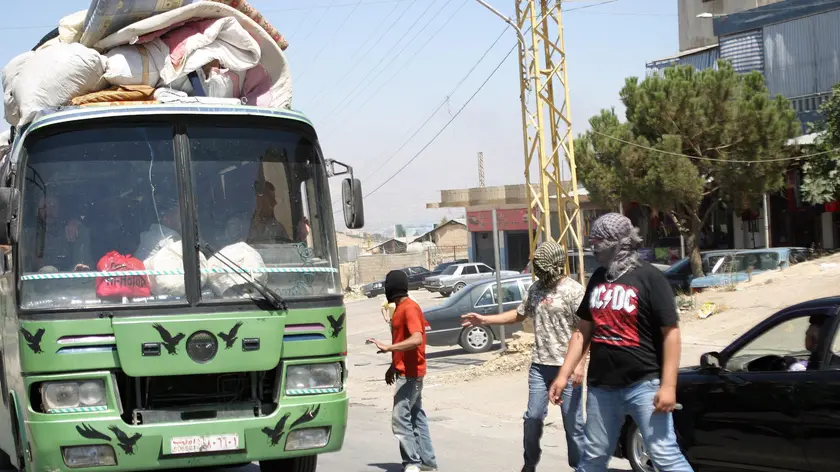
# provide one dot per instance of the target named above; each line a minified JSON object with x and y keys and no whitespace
{"x":480,"y":297}
{"x":442,"y":266}
{"x":416,"y":277}
{"x":765,"y":402}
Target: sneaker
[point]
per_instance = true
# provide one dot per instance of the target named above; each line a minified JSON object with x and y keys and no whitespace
{"x":412,"y":468}
{"x":425,"y":467}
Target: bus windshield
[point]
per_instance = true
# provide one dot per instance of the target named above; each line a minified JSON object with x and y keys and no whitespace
{"x":106,"y":201}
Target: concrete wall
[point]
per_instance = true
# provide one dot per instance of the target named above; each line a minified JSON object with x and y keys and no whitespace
{"x":451,"y":235}
{"x":697,"y":32}
{"x":372,"y":268}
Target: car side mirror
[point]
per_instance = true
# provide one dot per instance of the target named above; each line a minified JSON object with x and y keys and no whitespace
{"x":9,"y":203}
{"x":710,"y":360}
{"x":352,"y":200}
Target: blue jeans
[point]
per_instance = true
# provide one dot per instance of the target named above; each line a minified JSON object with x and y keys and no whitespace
{"x":410,"y":425}
{"x":606,"y":409}
{"x":540,"y":378}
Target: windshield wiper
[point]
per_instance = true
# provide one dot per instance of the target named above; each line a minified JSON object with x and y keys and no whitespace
{"x":269,"y":295}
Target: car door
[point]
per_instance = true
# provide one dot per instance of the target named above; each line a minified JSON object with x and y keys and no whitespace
{"x":416,"y":275}
{"x":746,"y":416}
{"x":821,"y":404}
{"x":484,"y":272}
{"x":469,"y":273}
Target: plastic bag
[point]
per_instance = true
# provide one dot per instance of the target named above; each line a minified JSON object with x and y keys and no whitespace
{"x":135,"y":286}
{"x":70,"y":27}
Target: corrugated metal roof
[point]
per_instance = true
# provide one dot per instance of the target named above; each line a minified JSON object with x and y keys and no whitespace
{"x":770,"y":14}
{"x":744,"y":50}
{"x":801,"y":55}
{"x":699,"y":58}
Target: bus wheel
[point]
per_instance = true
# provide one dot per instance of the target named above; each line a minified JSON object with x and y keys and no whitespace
{"x":296,"y":464}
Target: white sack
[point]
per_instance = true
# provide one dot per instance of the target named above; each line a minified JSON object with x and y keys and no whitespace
{"x":272,"y":58}
{"x":70,"y":27}
{"x":11,"y":72}
{"x":136,"y":65}
{"x":50,"y":78}
{"x":242,"y":255}
{"x":170,"y":258}
{"x":222,"y":83}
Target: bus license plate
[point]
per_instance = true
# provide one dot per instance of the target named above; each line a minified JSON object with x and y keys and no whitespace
{"x":212,"y":443}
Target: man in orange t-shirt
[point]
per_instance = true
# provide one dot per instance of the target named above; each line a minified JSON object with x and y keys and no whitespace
{"x":408,"y":367}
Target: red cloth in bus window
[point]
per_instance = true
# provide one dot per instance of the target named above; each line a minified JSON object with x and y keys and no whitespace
{"x":123,"y":286}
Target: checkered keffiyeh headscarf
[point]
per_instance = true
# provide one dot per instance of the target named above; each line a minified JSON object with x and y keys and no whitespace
{"x":620,"y":241}
{"x":549,"y":261}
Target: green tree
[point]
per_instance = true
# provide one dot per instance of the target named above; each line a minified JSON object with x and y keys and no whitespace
{"x":821,"y":174}
{"x":693,"y":141}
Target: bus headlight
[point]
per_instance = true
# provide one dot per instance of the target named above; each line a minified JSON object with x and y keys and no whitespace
{"x":313,"y":378}
{"x":87,"y":395}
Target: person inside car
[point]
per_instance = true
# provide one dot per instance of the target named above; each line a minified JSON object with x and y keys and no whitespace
{"x":62,"y":245}
{"x":167,"y":229}
{"x":812,"y":340}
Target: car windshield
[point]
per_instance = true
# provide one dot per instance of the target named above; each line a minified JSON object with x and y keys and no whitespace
{"x":441,"y":267}
{"x":102,"y":220}
{"x":449,"y":270}
{"x":747,"y":261}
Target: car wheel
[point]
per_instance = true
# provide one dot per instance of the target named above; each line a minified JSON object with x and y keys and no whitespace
{"x":296,"y":464}
{"x":476,"y":339}
{"x":636,"y":452}
{"x":458,"y":287}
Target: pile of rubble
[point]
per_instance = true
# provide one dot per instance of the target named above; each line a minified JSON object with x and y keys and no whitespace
{"x":515,"y":358}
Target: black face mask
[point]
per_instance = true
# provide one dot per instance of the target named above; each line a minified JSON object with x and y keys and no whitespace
{"x":396,"y":285}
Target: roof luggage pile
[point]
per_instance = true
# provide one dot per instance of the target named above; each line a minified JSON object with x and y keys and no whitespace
{"x":146,"y":51}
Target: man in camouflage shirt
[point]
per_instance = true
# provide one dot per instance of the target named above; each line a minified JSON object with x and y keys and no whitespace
{"x":551,"y":303}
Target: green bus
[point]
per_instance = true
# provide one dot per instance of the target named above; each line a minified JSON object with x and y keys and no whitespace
{"x":170,"y":290}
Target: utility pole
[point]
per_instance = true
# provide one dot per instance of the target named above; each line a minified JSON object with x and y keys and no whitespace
{"x":547,"y":124}
{"x":481,"y":169}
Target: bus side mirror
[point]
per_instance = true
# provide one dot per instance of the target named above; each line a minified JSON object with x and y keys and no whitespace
{"x":9,"y":202}
{"x":352,"y":200}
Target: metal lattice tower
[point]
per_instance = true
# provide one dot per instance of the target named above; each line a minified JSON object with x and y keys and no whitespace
{"x":547,"y":126}
{"x":481,"y":169}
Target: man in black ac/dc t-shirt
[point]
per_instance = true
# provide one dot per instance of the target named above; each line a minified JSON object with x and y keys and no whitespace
{"x":629,"y":321}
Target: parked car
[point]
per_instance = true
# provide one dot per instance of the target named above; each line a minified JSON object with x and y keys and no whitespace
{"x":458,"y":276}
{"x":590,"y":264}
{"x":416,"y":277}
{"x":442,"y":266}
{"x":679,"y":274}
{"x":745,"y":410}
{"x":480,"y":297}
{"x":735,"y":267}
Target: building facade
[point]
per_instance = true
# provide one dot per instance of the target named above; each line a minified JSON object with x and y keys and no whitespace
{"x":795,"y":44}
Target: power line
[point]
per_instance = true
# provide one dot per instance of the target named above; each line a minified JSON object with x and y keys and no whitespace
{"x":329,"y":41}
{"x":417,"y":20}
{"x":455,"y":116}
{"x":712,"y":159}
{"x":444,"y":102}
{"x":357,"y":62}
{"x":416,"y":53}
{"x":301,"y":23}
{"x":318,"y":23}
{"x":397,"y":55}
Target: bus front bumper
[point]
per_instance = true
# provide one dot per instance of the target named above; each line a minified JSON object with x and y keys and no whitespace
{"x":179,"y":445}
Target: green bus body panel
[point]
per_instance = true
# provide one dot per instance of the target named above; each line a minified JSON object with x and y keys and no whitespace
{"x":311,"y":333}
{"x":152,"y":450}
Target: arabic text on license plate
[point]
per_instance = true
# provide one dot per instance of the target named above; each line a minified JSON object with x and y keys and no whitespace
{"x":213,"y":443}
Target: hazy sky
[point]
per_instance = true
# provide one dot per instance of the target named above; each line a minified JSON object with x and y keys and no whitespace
{"x":368,"y":85}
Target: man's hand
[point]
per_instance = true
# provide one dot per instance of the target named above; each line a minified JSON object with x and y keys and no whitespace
{"x":72,"y":230}
{"x":665,"y":400}
{"x":391,"y":375}
{"x":383,"y":348}
{"x":472,"y":319}
{"x":579,"y":374}
{"x":556,"y":391}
